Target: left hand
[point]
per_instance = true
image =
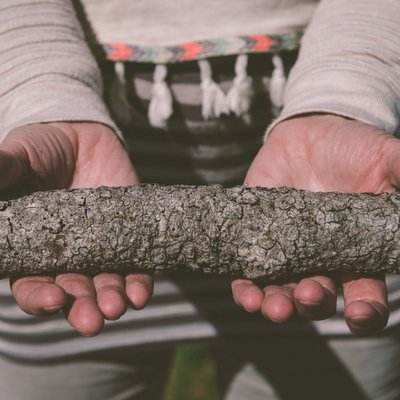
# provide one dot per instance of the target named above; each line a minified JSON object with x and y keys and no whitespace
{"x":71,"y":155}
{"x":324,"y":153}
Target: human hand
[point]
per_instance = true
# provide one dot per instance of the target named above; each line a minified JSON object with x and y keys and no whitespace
{"x":71,"y":155}
{"x":324,"y":153}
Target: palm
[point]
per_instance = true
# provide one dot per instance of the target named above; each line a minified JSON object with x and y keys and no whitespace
{"x":324,"y":153}
{"x":49,"y":156}
{"x":65,"y":155}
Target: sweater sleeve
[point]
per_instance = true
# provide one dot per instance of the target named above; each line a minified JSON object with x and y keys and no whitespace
{"x":47,"y":71}
{"x":349,"y":64}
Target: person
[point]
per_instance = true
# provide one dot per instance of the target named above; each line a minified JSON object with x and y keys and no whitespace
{"x":335,"y":132}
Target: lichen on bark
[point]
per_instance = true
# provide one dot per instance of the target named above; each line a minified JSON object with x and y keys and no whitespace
{"x":242,"y":232}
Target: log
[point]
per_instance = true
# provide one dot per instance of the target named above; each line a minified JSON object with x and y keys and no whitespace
{"x":242,"y":232}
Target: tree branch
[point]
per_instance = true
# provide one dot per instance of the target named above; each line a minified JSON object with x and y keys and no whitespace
{"x":243,"y":232}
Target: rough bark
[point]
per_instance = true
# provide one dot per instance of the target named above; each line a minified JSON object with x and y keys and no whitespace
{"x":241,"y":231}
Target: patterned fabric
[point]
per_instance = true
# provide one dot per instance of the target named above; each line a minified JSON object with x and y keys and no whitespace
{"x":191,"y":150}
{"x":202,"y":49}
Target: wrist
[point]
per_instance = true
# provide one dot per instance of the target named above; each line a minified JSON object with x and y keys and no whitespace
{"x":305,"y":120}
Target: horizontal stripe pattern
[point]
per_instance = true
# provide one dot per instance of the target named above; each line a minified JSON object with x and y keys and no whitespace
{"x":183,"y":309}
{"x":190,"y":149}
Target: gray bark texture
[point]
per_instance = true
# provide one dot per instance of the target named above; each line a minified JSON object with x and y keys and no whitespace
{"x":242,"y":232}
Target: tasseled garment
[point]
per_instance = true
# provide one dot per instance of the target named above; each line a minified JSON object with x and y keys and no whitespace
{"x":215,"y":102}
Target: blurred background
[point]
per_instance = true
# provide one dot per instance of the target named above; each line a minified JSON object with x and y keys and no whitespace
{"x":192,"y":375}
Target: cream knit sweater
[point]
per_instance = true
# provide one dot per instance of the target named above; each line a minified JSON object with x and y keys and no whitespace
{"x":349,"y":62}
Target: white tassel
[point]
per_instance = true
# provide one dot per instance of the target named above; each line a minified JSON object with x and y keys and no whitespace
{"x":277,"y":83}
{"x":160,"y":108}
{"x":241,"y":93}
{"x":118,"y":99}
{"x":214,"y":101}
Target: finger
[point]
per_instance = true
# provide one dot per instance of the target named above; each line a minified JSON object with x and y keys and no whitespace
{"x":111,"y":299}
{"x":139,"y":289}
{"x":315,"y":297}
{"x":247,"y":295}
{"x":278,"y":304}
{"x":366,"y":303}
{"x":82,"y":311}
{"x":38,"y":295}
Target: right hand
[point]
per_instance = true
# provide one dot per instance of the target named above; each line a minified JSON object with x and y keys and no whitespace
{"x":325,"y":153}
{"x":71,"y":155}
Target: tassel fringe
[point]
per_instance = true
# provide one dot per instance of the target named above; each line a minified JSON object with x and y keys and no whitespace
{"x":241,"y":93}
{"x":160,"y":108}
{"x":118,"y":99}
{"x":214,"y":102}
{"x":277,"y":83}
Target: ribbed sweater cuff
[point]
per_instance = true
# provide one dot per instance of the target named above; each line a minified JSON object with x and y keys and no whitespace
{"x":47,"y":70}
{"x":349,"y":64}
